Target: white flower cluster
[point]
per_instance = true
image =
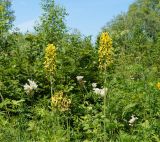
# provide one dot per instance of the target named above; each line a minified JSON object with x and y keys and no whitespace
{"x":132,"y":120}
{"x":79,"y":78}
{"x":94,"y":85}
{"x":102,"y":92}
{"x":29,"y":88}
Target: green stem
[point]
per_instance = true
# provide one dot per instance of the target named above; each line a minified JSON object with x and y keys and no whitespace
{"x":68,"y":129}
{"x":104,"y":113}
{"x":51,"y":82}
{"x":104,"y":109}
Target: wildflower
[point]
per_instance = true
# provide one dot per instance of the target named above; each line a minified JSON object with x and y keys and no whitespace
{"x":132,"y":120}
{"x":50,"y":59}
{"x":79,"y":78}
{"x":158,"y":85}
{"x":60,"y":102}
{"x":29,"y":88}
{"x":105,"y":51}
{"x":94,"y":85}
{"x":96,"y":90}
{"x":102,"y":92}
{"x":32,"y":84}
{"x":1,"y":8}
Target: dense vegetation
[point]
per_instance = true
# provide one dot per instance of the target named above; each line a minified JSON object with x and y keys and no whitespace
{"x":57,"y":86}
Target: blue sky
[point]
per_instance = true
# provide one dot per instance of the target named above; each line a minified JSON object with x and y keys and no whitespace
{"x":88,"y":16}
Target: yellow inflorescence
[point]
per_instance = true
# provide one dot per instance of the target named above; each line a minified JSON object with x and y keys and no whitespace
{"x":1,"y":8}
{"x":60,"y":102}
{"x":105,"y":51}
{"x":158,"y":85}
{"x":50,"y":59}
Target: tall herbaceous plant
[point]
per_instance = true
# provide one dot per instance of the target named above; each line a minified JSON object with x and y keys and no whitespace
{"x":105,"y":60}
{"x":50,"y":63}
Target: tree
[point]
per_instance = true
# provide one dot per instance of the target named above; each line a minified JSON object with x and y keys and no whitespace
{"x":147,"y":14}
{"x":138,"y":28}
{"x":6,"y":16}
{"x":52,"y":26}
{"x":6,"y":22}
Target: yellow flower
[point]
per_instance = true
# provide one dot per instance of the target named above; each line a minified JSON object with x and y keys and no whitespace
{"x":105,"y":51}
{"x":50,"y":59}
{"x":1,"y":8}
{"x":158,"y":85}
{"x":60,"y":102}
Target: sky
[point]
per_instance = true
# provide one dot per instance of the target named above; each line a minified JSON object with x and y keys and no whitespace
{"x":88,"y":16}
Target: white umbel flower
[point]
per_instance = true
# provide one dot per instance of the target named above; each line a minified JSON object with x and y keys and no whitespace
{"x":101,"y":92}
{"x":96,"y":90}
{"x":132,"y":120}
{"x":32,"y":84}
{"x":94,"y":85}
{"x":29,"y":88}
{"x":79,"y":78}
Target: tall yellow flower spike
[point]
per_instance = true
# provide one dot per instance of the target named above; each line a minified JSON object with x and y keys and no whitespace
{"x":105,"y":51}
{"x":50,"y":59}
{"x":1,"y":8}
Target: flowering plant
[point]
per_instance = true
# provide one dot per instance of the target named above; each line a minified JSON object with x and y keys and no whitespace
{"x":31,"y":87}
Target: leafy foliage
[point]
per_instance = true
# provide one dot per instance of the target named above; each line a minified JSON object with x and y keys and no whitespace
{"x":69,"y":108}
